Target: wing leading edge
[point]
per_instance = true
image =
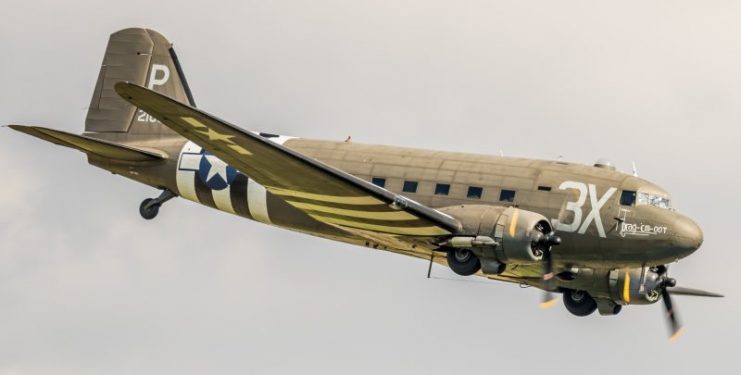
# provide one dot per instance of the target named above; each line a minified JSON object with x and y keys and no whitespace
{"x":325,"y":193}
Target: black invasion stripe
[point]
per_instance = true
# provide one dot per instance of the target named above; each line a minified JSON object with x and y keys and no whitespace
{"x":390,"y":223}
{"x":203,"y":192}
{"x":283,"y":214}
{"x":238,"y":194}
{"x":381,"y":207}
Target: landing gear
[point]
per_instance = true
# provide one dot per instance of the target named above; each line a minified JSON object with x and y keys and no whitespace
{"x":463,"y":262}
{"x":149,"y":210}
{"x":579,"y":302}
{"x":150,"y":207}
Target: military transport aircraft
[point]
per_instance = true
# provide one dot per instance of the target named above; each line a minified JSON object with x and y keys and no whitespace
{"x":600,"y":237}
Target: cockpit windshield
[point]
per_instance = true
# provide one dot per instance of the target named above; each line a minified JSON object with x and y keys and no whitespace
{"x":653,"y":200}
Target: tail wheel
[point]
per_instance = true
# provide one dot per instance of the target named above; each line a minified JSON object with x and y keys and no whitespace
{"x":579,"y":302}
{"x":149,"y":209}
{"x":463,"y":262}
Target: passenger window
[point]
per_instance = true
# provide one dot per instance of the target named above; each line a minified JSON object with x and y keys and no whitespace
{"x":379,"y":181}
{"x":410,"y":187}
{"x":628,"y":198}
{"x":475,"y":192}
{"x":442,"y":189}
{"x":507,"y":196}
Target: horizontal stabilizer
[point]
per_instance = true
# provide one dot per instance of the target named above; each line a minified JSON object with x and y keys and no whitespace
{"x":90,"y":145}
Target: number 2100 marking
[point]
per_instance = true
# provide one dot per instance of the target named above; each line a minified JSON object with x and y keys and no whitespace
{"x":585,"y":191}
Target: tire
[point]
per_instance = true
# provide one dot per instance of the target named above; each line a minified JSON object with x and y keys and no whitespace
{"x":463,"y":262}
{"x":147,"y":210}
{"x":579,"y":302}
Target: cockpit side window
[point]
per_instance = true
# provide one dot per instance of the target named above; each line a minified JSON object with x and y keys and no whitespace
{"x":628,"y":198}
{"x":653,"y":200}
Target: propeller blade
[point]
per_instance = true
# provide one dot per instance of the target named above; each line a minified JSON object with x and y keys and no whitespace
{"x":548,"y":298}
{"x":680,"y":291}
{"x":674,"y":325}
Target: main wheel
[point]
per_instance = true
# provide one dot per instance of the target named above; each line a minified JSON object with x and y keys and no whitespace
{"x":579,"y":302}
{"x":149,"y":210}
{"x":463,"y":262}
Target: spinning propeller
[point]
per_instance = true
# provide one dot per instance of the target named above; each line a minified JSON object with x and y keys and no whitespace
{"x":675,"y":327}
{"x":660,"y":285}
{"x":543,"y":241}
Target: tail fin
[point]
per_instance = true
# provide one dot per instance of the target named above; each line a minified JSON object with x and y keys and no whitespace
{"x":140,"y":56}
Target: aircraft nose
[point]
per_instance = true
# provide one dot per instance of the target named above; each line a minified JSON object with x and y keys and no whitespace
{"x":688,"y":236}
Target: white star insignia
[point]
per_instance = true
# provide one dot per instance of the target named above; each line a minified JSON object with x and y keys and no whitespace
{"x":218,"y":167}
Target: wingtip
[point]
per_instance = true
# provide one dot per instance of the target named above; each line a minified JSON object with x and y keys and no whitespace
{"x":17,"y":127}
{"x":127,"y":91}
{"x":120,"y":87}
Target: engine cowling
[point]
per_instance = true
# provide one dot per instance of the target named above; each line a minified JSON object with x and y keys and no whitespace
{"x":638,"y":286}
{"x":516,"y":233}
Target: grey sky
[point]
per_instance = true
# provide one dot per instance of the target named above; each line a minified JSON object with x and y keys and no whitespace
{"x":87,"y":286}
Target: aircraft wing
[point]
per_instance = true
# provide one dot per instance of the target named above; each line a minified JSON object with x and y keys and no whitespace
{"x":325,"y":193}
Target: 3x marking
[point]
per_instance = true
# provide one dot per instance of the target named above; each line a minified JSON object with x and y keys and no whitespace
{"x":585,"y":191}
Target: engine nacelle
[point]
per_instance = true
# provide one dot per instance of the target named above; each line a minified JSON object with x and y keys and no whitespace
{"x":516,"y":233}
{"x":638,"y":286}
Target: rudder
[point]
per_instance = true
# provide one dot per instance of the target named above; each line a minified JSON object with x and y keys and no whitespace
{"x":144,"y":57}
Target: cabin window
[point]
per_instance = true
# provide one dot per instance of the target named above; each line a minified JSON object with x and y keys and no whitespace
{"x":507,"y":196}
{"x":378,"y":181}
{"x":475,"y":192}
{"x":442,"y":189}
{"x":628,"y":198}
{"x":544,"y":188}
{"x":410,"y":187}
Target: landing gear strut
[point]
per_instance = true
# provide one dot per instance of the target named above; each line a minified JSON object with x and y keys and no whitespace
{"x":150,"y":207}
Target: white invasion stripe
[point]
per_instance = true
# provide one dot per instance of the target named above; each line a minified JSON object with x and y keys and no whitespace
{"x":281,"y":139}
{"x":186,"y":187}
{"x":257,"y":201}
{"x":223,"y":199}
{"x":190,"y":161}
{"x":186,"y":178}
{"x":375,"y":215}
{"x":410,"y":231}
{"x":360,"y":200}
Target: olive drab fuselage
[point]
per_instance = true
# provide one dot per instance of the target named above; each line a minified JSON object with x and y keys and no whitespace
{"x":581,"y":227}
{"x":582,"y":202}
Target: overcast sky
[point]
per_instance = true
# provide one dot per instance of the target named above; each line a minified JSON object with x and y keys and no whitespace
{"x":88,"y":287}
